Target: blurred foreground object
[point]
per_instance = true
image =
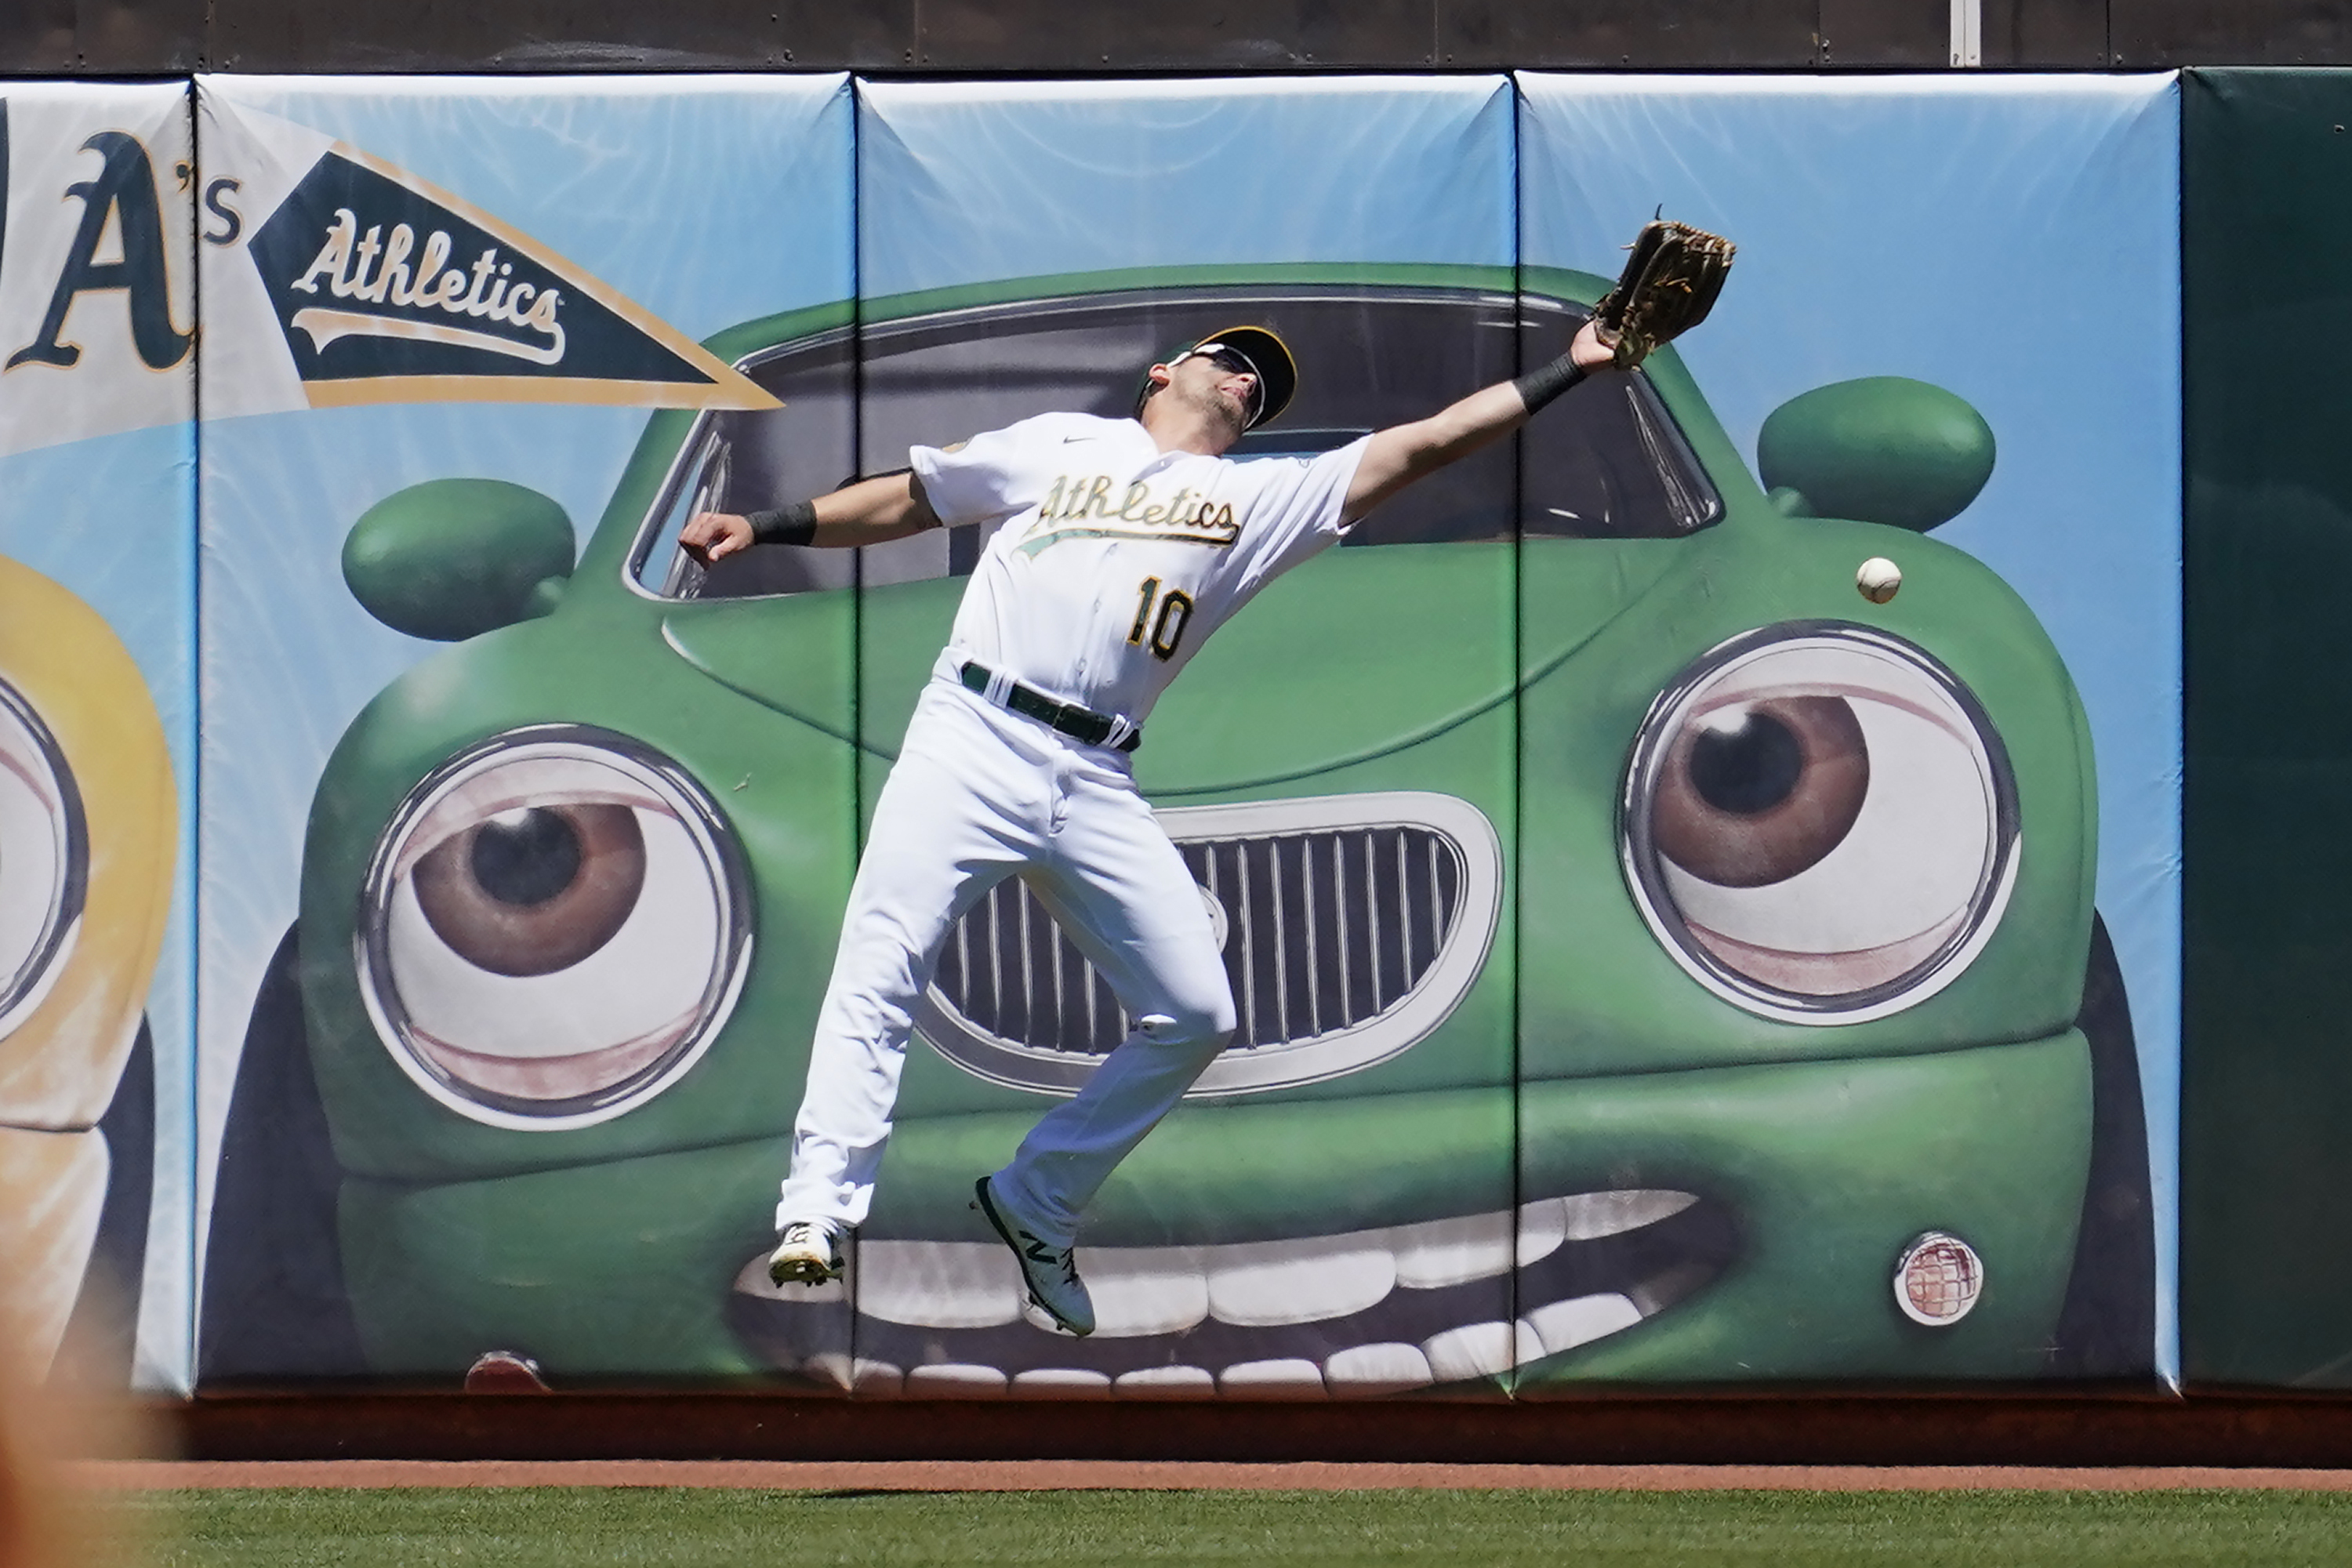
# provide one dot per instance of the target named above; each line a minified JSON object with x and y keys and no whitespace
{"x":51,"y":1516}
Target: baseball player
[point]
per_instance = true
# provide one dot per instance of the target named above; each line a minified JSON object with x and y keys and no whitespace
{"x":1121,"y":545}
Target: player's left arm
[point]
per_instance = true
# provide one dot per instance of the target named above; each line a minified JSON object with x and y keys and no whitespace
{"x":1403,"y":453}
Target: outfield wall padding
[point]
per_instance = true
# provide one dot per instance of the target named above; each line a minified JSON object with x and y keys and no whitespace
{"x":1658,"y":964}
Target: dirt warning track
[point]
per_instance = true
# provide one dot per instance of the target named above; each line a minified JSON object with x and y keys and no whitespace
{"x":1084,"y":1475}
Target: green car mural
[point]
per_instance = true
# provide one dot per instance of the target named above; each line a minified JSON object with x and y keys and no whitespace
{"x":1656,"y":962}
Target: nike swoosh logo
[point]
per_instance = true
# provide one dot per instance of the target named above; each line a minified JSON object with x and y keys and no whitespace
{"x":1067,"y":440}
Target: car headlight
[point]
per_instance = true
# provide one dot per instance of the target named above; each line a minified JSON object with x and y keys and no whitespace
{"x":554,"y":927}
{"x":1820,"y":823}
{"x":44,"y":858}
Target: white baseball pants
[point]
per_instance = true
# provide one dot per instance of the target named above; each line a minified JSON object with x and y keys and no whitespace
{"x":978,"y":794}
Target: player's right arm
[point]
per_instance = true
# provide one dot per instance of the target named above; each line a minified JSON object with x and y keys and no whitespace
{"x":871,"y":511}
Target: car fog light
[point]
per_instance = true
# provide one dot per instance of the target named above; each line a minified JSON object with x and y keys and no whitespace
{"x":1938,"y":1279}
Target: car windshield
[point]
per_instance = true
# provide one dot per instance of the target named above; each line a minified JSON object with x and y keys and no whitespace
{"x":1607,"y":462}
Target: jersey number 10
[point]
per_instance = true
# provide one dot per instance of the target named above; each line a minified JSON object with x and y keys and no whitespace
{"x":1168,"y":627}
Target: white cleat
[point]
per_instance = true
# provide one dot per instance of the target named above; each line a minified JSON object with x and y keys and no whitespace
{"x":806,"y":1253}
{"x":1051,"y":1274}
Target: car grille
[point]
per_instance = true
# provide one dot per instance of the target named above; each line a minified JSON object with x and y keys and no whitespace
{"x":1330,"y":930}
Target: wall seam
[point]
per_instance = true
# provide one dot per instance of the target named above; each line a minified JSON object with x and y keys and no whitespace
{"x":1518,"y":705}
{"x":857,"y":750}
{"x":195,"y":558}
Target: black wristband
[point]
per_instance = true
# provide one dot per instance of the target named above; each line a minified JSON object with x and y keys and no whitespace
{"x":1539,"y":387}
{"x":794,"y":524}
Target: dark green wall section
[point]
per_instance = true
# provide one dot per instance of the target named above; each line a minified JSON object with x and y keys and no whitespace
{"x":2266,"y":1270}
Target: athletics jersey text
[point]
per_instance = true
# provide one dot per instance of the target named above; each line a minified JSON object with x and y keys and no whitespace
{"x":1155,"y":549}
{"x":1076,"y":501}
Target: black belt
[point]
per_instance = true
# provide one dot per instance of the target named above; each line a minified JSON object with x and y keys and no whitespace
{"x":1083,"y":724}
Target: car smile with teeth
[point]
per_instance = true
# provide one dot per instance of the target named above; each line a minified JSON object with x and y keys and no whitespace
{"x":1376,"y":1311}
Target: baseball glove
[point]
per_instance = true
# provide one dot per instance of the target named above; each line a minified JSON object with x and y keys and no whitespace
{"x":1668,"y":286}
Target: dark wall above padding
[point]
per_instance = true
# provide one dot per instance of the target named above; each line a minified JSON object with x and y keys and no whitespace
{"x":1627,"y":33}
{"x":2046,"y":35}
{"x":557,"y":34}
{"x":101,"y":37}
{"x":1221,"y":35}
{"x":94,"y":38}
{"x":1911,"y":34}
{"x":2157,"y":33}
{"x":39,"y":38}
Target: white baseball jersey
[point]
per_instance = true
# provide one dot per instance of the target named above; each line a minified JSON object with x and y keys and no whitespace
{"x":1113,"y":563}
{"x":1115,"y":560}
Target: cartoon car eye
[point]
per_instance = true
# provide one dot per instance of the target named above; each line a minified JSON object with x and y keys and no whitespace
{"x":554,"y":927}
{"x":1820,"y":823}
{"x":44,"y":858}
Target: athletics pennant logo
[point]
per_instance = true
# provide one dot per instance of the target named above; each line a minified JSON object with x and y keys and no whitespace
{"x":382,"y":287}
{"x":406,"y":306}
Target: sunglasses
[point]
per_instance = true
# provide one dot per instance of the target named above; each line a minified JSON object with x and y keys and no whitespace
{"x":1231,"y":359}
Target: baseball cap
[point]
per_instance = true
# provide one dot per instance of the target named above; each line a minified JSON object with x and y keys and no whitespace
{"x":1267,"y":356}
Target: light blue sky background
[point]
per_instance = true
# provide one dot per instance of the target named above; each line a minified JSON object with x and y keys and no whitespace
{"x":972,"y":181}
{"x":2016,"y":240}
{"x":707,"y":200}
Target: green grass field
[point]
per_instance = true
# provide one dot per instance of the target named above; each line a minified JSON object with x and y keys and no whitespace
{"x":588,"y":1527}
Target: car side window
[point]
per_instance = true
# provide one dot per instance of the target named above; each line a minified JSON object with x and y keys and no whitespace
{"x":1607,"y":461}
{"x":700,"y":486}
{"x":747,"y":460}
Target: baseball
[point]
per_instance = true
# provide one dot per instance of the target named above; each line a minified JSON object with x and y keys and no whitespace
{"x":1878,"y":579}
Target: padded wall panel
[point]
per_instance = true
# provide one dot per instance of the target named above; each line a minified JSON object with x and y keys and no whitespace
{"x":97,"y":722}
{"x":1776,"y":1032}
{"x":522,"y":873}
{"x":1328,"y":1214}
{"x":2268,"y":534}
